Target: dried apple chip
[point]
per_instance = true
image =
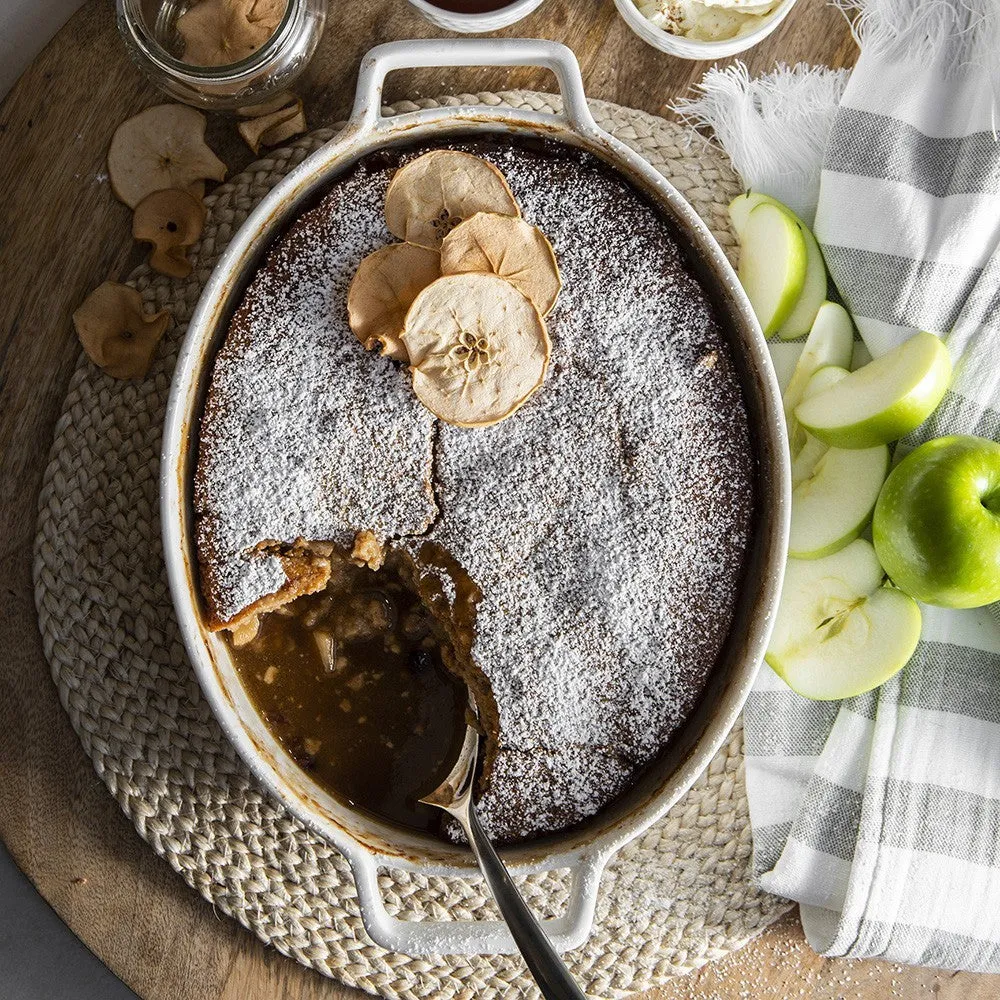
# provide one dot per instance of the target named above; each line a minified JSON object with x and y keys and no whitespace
{"x":274,"y":127}
{"x":509,"y":247}
{"x":171,"y":221}
{"x":382,"y":290}
{"x":161,"y":147}
{"x":114,"y":331}
{"x":431,"y":195}
{"x":478,"y":348}
{"x":221,"y":32}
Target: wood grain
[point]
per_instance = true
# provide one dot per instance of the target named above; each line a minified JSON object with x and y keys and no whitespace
{"x":61,"y":233}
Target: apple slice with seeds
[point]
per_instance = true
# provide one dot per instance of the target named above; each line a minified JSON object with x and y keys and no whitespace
{"x":478,"y":348}
{"x":839,"y":631}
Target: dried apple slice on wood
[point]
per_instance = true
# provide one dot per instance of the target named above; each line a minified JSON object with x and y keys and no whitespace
{"x":478,"y":348}
{"x":172,"y":221}
{"x":161,"y":147}
{"x":114,"y":331}
{"x":431,"y":195}
{"x":382,"y":290}
{"x":509,"y":247}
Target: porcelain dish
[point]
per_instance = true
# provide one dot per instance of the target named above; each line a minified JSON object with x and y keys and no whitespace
{"x":367,"y":844}
{"x":694,"y":48}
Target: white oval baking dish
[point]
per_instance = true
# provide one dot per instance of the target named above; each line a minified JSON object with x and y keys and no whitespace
{"x":367,"y":844}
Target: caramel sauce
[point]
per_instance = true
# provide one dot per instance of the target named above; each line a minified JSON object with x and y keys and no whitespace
{"x":351,"y":682}
{"x":471,"y":6}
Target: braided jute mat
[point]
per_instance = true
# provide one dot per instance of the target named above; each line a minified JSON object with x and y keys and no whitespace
{"x":672,"y":900}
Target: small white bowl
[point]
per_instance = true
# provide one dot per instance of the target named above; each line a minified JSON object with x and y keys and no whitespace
{"x":473,"y":24}
{"x":691,"y":48}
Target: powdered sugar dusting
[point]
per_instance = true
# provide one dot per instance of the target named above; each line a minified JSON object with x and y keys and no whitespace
{"x":606,"y":522}
{"x":305,"y":434}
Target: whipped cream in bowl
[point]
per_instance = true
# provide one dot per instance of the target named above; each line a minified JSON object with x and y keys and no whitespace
{"x":703,"y":29}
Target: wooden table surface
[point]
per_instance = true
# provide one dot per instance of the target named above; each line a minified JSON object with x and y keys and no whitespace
{"x":62,"y":233}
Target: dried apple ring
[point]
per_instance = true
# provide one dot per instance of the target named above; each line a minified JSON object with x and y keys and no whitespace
{"x":382,"y":290}
{"x":478,"y":348}
{"x":509,"y":247}
{"x":431,"y":195}
{"x":115,"y":333}
{"x":222,"y":32}
{"x":170,"y":220}
{"x":161,"y":147}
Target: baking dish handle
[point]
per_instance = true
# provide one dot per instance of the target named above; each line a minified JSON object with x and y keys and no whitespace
{"x":439,"y":52}
{"x":474,"y":937}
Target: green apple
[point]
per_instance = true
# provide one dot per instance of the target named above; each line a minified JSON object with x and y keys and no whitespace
{"x":839,"y":631}
{"x":937,"y":522}
{"x":814,"y":288}
{"x":805,"y":449}
{"x":884,"y":400}
{"x":832,"y":505}
{"x":772,"y":264}
{"x":833,"y":489}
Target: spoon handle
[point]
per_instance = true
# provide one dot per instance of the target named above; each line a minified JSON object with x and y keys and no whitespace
{"x":552,"y":976}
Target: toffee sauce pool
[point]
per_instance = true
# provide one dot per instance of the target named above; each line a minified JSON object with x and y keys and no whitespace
{"x":351,"y":682}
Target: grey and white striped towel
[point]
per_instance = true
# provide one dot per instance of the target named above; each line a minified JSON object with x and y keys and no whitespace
{"x":881,"y":814}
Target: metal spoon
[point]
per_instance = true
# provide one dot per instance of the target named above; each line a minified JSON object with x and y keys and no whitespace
{"x":454,"y":796}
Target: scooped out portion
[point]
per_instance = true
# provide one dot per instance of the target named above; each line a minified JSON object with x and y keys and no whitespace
{"x":363,"y":682}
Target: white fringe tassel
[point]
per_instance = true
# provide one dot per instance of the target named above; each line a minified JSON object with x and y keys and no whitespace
{"x":964,"y":34}
{"x":774,"y":128}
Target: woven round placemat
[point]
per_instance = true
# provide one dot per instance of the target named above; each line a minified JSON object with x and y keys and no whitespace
{"x":672,"y":900}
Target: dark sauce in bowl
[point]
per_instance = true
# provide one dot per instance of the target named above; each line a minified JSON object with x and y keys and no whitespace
{"x":471,"y":6}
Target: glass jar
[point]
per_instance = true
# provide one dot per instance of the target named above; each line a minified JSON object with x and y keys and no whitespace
{"x":150,"y":33}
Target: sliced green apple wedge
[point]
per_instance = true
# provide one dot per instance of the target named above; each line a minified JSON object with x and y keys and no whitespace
{"x":833,"y":503}
{"x":772,"y":264}
{"x":830,"y":342}
{"x":804,"y":462}
{"x":827,"y":354}
{"x":833,"y":489}
{"x":839,"y":632}
{"x":741,"y":207}
{"x":882,"y":401}
{"x":814,"y":288}
{"x":807,"y":450}
{"x":813,"y":294}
